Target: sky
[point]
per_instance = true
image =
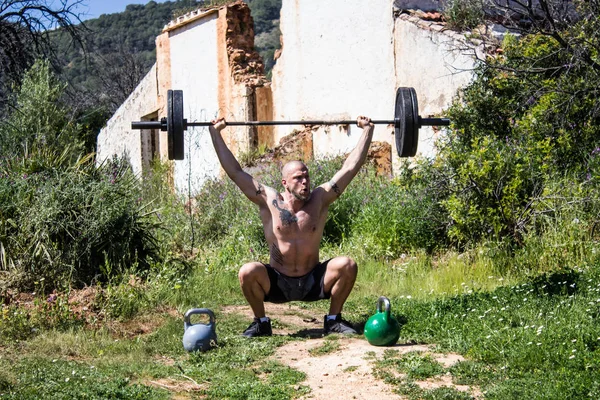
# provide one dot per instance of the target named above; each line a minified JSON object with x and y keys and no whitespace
{"x":94,"y":8}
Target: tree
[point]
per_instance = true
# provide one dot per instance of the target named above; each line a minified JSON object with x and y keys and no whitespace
{"x":25,"y":27}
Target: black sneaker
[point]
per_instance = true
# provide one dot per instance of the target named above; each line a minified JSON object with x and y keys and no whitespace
{"x":338,"y":325}
{"x":258,"y":328}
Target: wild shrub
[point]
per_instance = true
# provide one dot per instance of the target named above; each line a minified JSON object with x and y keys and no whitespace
{"x":525,"y":121}
{"x":396,"y":220}
{"x":74,"y":226}
{"x":38,"y":129}
{"x":464,"y":14}
{"x":62,"y":218}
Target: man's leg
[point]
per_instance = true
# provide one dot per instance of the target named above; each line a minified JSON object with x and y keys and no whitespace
{"x":339,"y":281}
{"x":255,"y":284}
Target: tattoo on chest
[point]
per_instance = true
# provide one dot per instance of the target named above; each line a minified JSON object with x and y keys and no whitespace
{"x":259,"y":190}
{"x":335,"y":188}
{"x":285,"y":215}
{"x":276,"y":254}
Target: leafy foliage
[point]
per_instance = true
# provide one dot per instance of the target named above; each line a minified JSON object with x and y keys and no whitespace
{"x":38,"y":123}
{"x":62,"y":218}
{"x":464,"y":14}
{"x":529,"y":118}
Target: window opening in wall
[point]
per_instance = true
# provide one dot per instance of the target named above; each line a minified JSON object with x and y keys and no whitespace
{"x":150,"y":143}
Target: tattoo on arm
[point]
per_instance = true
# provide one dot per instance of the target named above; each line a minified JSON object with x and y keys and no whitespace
{"x":285,"y":215}
{"x":276,"y":254}
{"x":260,"y":189}
{"x":335,"y":188}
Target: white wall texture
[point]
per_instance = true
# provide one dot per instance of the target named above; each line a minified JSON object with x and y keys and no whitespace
{"x":117,"y":137}
{"x":337,"y":62}
{"x":429,"y":61}
{"x":194,"y":70}
{"x":342,"y":58}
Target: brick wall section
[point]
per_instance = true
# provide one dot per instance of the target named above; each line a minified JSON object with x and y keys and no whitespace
{"x":163,"y":79}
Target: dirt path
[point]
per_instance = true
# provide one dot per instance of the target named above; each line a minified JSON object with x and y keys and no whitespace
{"x":342,"y":368}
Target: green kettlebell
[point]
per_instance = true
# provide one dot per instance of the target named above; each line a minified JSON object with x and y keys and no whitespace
{"x":382,"y":329}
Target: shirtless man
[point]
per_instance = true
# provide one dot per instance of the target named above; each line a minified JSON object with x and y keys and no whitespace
{"x":293,"y":222}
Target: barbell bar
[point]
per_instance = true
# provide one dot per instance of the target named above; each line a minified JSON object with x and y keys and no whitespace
{"x":407,"y":123}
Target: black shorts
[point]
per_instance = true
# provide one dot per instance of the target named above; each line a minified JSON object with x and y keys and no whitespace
{"x":309,"y":287}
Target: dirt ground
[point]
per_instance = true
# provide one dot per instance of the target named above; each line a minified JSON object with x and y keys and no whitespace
{"x":342,"y":371}
{"x":347,"y":371}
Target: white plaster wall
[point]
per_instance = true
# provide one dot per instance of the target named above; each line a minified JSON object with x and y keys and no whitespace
{"x":194,"y":66}
{"x":428,"y":60}
{"x":337,"y":62}
{"x":117,"y":137}
{"x":341,"y":59}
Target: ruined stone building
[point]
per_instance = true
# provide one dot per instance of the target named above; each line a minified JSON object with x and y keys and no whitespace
{"x":339,"y":59}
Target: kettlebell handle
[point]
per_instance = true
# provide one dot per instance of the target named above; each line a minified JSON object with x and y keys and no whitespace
{"x":386,"y":304}
{"x":190,"y":312}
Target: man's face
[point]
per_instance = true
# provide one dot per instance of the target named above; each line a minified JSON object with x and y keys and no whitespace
{"x":298,"y":183}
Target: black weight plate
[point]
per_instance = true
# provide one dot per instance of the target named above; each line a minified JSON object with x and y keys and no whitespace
{"x":416,"y":125}
{"x":406,"y":123}
{"x":170,"y":124}
{"x":399,"y":120}
{"x":178,"y":125}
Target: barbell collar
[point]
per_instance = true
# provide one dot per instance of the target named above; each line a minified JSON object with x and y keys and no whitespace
{"x":434,"y":121}
{"x":162,"y":124}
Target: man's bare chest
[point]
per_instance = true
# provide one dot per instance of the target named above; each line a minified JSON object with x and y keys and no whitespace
{"x":302,"y":222}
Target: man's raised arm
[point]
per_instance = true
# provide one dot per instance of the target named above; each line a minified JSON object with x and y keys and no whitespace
{"x":355,"y":160}
{"x":249,"y":186}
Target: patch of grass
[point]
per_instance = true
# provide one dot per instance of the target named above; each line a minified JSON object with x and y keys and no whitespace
{"x":414,"y":392}
{"x":107,"y":367}
{"x":61,"y":379}
{"x":331,"y":344}
{"x":538,"y":339}
{"x":414,"y":365}
{"x":423,"y":276}
{"x":470,"y":372}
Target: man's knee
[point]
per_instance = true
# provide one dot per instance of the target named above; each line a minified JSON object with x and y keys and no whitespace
{"x":252,"y":272}
{"x":346,"y":266}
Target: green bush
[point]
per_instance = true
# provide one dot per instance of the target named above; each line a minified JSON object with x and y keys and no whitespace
{"x":523,"y":123}
{"x":74,"y":226}
{"x":38,"y":129}
{"x":62,"y":218}
{"x":396,"y":220}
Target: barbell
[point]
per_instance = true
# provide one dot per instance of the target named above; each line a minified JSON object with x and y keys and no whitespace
{"x":406,"y":122}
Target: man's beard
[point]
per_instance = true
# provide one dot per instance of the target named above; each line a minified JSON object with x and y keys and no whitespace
{"x":298,"y":196}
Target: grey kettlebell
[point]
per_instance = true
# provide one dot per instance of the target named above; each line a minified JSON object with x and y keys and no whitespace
{"x":199,"y":336}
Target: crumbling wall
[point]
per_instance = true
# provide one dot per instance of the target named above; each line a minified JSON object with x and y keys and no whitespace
{"x":212,"y":59}
{"x":247,"y":71}
{"x":117,"y":137}
{"x":341,"y":59}
{"x":434,"y":60}
{"x":336,"y":62}
{"x":241,"y":73}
